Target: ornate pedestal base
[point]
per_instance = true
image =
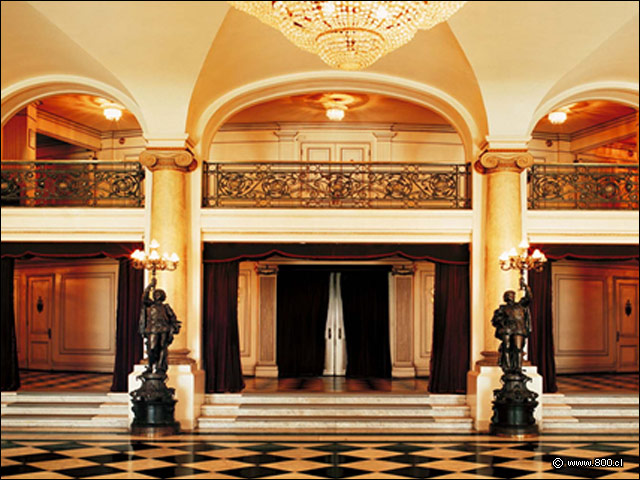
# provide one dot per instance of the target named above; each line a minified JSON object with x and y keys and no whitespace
{"x":513,"y":407}
{"x":153,"y":407}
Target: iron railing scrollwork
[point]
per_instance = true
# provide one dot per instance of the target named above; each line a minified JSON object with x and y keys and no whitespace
{"x":366,"y":185}
{"x":70,"y":183}
{"x":579,"y":186}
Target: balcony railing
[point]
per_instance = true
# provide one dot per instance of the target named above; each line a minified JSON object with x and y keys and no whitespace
{"x":71,"y":183}
{"x":336,"y":185}
{"x":575,"y":186}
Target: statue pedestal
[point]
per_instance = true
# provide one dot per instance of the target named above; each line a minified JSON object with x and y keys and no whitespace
{"x":513,"y":407}
{"x":482,"y":381}
{"x":188,"y":382}
{"x":153,"y":407}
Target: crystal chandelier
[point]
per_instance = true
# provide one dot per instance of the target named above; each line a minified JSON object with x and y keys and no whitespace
{"x":350,"y":35}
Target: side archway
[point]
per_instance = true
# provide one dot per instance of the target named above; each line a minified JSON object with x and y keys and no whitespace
{"x":617,"y":92}
{"x":19,"y":95}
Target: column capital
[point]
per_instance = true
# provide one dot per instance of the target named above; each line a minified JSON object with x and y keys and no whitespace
{"x":515,"y":161}
{"x":179,"y":159}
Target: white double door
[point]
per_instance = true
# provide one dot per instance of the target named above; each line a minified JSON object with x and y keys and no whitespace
{"x":335,"y":356}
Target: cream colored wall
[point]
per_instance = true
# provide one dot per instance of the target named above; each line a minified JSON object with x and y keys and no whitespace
{"x":77,"y":303}
{"x":121,"y":145}
{"x":438,"y":144}
{"x":588,"y":299}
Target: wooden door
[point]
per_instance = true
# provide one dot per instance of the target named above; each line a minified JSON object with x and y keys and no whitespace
{"x":40,"y":310}
{"x":626,"y":297}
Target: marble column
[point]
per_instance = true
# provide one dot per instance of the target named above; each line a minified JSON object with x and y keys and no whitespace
{"x":170,"y":226}
{"x":502,"y":231}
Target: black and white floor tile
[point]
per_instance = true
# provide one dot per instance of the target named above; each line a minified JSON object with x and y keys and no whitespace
{"x":87,"y":455}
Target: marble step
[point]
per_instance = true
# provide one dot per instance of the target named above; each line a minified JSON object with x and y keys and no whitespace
{"x":112,"y":422}
{"x":290,"y":424}
{"x":590,"y":425}
{"x":330,"y":410}
{"x":331,"y":398}
{"x":603,"y":410}
{"x":596,"y":399}
{"x":66,"y":397}
{"x":66,"y":408}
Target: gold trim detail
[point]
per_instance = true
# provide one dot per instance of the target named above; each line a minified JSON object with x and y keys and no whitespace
{"x":161,"y":159}
{"x":503,"y":161}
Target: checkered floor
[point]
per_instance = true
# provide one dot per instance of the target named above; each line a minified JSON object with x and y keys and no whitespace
{"x":200,"y":456}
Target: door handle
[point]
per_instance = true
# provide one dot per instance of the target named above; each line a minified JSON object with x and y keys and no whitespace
{"x":618,"y":336}
{"x":49,"y":333}
{"x":339,"y":334}
{"x":329,"y":333}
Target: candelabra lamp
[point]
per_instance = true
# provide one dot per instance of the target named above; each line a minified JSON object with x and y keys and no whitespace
{"x":514,"y":404}
{"x":154,"y":403}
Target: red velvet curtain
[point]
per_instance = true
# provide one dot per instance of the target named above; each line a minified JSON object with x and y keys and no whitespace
{"x":221,"y":343}
{"x":9,"y":353}
{"x":365,"y":303}
{"x":541,"y":352}
{"x":128,"y":339}
{"x":302,"y":301}
{"x":450,"y":352}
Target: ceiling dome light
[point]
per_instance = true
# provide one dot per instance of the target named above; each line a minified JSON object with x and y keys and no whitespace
{"x":350,"y":35}
{"x":557,"y":117}
{"x":335,"y":113}
{"x":112,"y":113}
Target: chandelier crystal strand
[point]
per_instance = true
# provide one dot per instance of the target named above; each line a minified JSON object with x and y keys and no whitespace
{"x":350,"y":35}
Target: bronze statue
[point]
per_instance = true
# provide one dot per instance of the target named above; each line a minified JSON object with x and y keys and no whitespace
{"x":514,"y":404}
{"x":512,"y":321}
{"x":158,"y":325}
{"x":153,"y":403}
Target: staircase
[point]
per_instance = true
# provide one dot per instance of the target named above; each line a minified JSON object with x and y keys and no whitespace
{"x":23,"y":410}
{"x":331,"y":413}
{"x":601,"y":413}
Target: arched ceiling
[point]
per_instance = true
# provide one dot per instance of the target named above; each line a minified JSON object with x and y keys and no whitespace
{"x":520,"y":50}
{"x":360,"y":108}
{"x":499,"y":60}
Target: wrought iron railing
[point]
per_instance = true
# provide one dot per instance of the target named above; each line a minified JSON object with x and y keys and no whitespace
{"x":601,"y":186}
{"x":336,"y":185}
{"x":71,"y":183}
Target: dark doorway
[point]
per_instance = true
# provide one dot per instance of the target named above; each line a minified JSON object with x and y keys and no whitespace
{"x":302,"y":303}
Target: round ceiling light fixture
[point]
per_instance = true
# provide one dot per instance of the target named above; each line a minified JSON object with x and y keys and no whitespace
{"x":112,"y":112}
{"x":558,"y":117}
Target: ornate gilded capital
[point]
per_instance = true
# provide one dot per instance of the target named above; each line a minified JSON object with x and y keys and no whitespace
{"x":504,"y":161}
{"x":162,"y":159}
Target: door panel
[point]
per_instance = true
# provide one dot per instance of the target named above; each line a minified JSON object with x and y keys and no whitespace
{"x":626,"y":290}
{"x":40,"y":320}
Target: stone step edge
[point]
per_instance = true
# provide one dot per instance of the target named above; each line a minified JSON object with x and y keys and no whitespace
{"x":232,"y":399}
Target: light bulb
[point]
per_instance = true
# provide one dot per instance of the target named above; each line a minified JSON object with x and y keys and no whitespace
{"x":335,"y":114}
{"x":112,"y":113}
{"x":557,"y":117}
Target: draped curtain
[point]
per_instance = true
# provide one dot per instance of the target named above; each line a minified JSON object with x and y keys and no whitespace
{"x":9,"y":352}
{"x":365,"y":300}
{"x":221,"y":343}
{"x":377,"y":362}
{"x":450,"y":351}
{"x":541,"y":353}
{"x":302,"y":300}
{"x":128,"y":341}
